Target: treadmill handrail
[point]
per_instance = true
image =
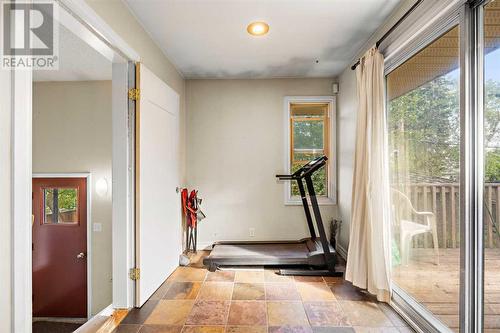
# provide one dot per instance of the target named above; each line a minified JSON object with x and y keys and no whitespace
{"x":285,"y":177}
{"x":306,"y":169}
{"x":314,"y":168}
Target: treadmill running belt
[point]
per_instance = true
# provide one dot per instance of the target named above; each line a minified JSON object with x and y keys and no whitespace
{"x":297,"y":250}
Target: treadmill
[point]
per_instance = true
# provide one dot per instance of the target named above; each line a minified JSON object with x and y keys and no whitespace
{"x":309,"y":256}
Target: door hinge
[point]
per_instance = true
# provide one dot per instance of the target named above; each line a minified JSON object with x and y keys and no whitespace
{"x":135,"y":274}
{"x":134,"y":94}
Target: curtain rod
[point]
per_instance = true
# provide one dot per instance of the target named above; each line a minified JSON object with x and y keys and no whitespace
{"x":415,"y":5}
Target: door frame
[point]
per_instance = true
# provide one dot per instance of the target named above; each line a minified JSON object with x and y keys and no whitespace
{"x":402,"y":301}
{"x":88,"y":178}
{"x":467,"y":15}
{"x":85,"y":22}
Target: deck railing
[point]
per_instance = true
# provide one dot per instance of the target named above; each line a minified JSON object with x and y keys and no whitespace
{"x":443,"y":200}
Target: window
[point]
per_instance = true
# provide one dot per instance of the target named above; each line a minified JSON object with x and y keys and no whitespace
{"x":310,"y":133}
{"x":64,"y":201}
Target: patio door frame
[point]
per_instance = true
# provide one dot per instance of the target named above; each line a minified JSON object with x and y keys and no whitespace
{"x":468,"y":16}
{"x":472,"y":159}
{"x":414,"y":312}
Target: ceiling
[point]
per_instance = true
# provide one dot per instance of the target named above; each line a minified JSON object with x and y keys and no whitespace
{"x":77,"y":61}
{"x":307,"y":38}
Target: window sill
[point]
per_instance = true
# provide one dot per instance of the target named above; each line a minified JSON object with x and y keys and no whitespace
{"x":322,"y":201}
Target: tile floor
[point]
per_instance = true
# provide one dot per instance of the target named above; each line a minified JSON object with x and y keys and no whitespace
{"x":193,"y":300}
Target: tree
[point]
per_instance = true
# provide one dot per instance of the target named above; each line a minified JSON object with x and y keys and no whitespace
{"x":424,"y":130}
{"x":60,"y":200}
{"x":308,"y":136}
{"x":491,"y":131}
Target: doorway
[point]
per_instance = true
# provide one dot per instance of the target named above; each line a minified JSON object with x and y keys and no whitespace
{"x":81,"y":21}
{"x":60,"y":251}
{"x":72,"y":139}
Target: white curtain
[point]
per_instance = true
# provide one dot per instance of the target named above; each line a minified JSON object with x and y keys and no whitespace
{"x":369,"y":255}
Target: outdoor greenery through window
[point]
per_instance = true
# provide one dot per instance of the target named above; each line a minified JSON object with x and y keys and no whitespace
{"x":64,"y":201}
{"x":309,"y":139}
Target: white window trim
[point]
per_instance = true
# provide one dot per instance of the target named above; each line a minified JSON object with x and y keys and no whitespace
{"x":332,"y":153}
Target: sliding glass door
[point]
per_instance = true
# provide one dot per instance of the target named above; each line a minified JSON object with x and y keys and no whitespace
{"x":443,"y":104}
{"x":423,"y":104}
{"x":491,"y":140}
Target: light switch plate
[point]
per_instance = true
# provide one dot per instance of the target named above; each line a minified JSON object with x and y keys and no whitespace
{"x":97,"y":227}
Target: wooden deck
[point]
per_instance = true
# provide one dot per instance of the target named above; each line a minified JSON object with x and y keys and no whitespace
{"x":437,"y":286}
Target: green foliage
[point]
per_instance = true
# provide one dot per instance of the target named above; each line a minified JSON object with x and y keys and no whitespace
{"x":319,"y":181}
{"x":492,"y":113}
{"x":491,"y":131}
{"x":492,"y":170}
{"x":67,"y":199}
{"x":308,"y":143}
{"x":308,"y":134}
{"x":424,"y":131}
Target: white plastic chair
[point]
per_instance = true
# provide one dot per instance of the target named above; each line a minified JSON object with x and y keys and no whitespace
{"x":409,"y":229}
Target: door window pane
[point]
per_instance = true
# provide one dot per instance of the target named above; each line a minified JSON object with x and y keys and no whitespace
{"x":63,"y":201}
{"x":492,"y":165}
{"x":424,"y":139}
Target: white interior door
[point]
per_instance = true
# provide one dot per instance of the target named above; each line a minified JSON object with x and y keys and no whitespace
{"x":158,"y":215}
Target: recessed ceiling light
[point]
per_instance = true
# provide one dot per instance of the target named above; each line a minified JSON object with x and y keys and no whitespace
{"x":258,"y":28}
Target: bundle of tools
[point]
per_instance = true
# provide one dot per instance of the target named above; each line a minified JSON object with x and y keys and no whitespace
{"x":191,"y":208}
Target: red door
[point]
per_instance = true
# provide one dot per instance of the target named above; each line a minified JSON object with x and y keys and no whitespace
{"x":60,"y":247}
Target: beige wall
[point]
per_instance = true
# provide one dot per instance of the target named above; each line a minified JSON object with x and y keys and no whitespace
{"x":72,"y":133}
{"x":235,"y":148}
{"x":347,"y":115}
{"x":121,"y":20}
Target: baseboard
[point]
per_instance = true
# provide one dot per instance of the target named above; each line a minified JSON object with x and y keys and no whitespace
{"x":342,"y":251}
{"x":105,"y":321}
{"x":93,"y":325}
{"x":61,"y":320}
{"x":107,"y":311}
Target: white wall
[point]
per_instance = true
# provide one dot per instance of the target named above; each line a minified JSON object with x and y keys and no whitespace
{"x":235,"y":146}
{"x":5,"y":202}
{"x":118,"y":16}
{"x":72,"y":133}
